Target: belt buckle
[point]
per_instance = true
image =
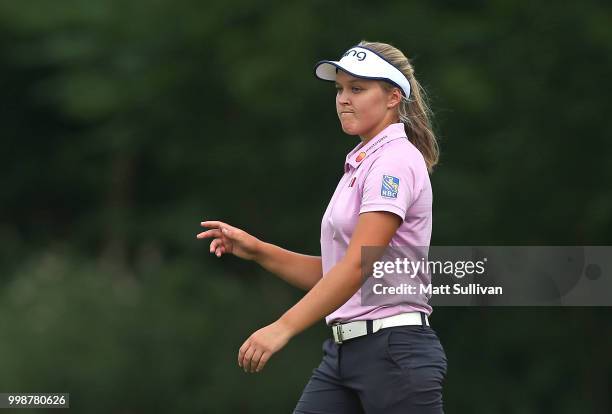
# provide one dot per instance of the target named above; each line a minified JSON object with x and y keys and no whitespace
{"x":337,"y":330}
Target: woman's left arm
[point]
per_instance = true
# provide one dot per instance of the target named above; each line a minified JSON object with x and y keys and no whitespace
{"x":332,"y":291}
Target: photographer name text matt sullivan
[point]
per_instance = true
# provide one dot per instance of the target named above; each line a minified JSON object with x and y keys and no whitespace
{"x":454,"y":289}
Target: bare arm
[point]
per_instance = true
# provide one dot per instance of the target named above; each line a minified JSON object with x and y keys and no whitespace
{"x":330,"y":292}
{"x":300,"y":270}
{"x":344,"y":279}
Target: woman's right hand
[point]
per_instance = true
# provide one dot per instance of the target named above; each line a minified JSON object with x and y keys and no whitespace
{"x":229,"y":239}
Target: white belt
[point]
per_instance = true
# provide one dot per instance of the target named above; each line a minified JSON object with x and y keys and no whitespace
{"x":345,"y":331}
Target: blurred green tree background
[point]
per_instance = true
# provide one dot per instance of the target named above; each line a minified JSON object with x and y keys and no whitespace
{"x":126,"y":123}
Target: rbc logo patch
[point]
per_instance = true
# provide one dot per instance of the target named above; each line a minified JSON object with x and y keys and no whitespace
{"x":390,"y":186}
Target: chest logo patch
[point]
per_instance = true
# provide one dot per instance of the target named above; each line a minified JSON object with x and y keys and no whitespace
{"x":390,"y":186}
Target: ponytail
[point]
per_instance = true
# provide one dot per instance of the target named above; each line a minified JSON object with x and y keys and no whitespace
{"x":414,"y":112}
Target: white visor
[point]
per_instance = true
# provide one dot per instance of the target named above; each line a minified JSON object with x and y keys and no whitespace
{"x":363,"y":63}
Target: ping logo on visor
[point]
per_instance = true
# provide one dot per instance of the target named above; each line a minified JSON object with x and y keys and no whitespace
{"x":364,"y":63}
{"x":389,"y":187}
{"x":358,"y":55}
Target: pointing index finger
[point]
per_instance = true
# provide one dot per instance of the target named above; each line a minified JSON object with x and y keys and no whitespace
{"x":211,"y":224}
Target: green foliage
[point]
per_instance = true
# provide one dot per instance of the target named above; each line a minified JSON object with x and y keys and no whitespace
{"x":127,"y":123}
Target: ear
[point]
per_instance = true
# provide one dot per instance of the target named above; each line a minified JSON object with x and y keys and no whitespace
{"x":394,"y":98}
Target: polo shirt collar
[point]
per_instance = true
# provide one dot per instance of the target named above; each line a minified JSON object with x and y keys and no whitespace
{"x":355,"y":158}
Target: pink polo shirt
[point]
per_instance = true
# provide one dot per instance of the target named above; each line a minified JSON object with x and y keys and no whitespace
{"x":387,"y":174}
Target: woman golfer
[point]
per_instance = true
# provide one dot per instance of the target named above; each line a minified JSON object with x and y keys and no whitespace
{"x":379,"y":358}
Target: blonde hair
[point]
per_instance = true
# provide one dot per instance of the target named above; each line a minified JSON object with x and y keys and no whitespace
{"x":414,"y":112}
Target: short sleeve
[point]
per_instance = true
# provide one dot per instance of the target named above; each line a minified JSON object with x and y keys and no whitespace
{"x":389,"y":185}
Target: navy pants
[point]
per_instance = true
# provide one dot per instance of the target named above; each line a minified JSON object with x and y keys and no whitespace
{"x":395,"y":370}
